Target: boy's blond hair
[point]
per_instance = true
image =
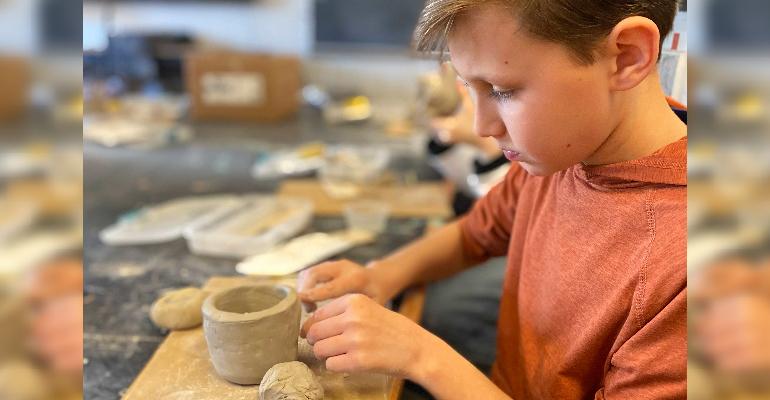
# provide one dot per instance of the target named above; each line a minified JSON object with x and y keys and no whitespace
{"x":578,"y":24}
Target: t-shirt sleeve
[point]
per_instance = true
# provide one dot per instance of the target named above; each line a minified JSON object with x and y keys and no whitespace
{"x":486,"y":229}
{"x":652,"y":364}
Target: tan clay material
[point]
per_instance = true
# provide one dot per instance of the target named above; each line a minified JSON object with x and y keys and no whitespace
{"x":249,"y":329}
{"x":290,"y":381}
{"x":178,"y":309}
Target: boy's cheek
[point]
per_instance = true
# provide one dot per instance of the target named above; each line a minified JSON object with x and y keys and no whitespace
{"x":555,"y":132}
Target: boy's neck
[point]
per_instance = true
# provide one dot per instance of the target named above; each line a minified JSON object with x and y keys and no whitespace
{"x":646,"y":125}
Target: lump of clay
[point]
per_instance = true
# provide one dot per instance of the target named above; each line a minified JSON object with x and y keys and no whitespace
{"x":179,"y":309}
{"x":290,"y":381}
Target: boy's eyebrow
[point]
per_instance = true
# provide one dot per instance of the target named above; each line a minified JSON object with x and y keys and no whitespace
{"x":478,"y":77}
{"x":465,"y":79}
{"x":457,"y":73}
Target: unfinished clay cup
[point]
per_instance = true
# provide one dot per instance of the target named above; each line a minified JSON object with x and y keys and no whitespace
{"x":249,"y":329}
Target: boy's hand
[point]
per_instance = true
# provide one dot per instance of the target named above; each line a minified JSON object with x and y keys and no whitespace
{"x":355,"y":334}
{"x":334,"y":279}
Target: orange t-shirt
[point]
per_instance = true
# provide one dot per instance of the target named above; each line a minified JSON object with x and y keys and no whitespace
{"x":594,"y":299}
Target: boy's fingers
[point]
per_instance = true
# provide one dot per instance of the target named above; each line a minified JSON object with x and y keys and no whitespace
{"x":336,"y":307}
{"x":336,"y":288}
{"x":330,"y":347}
{"x":341,"y":363}
{"x":320,"y":273}
{"x":327,"y":328}
{"x":309,"y":306}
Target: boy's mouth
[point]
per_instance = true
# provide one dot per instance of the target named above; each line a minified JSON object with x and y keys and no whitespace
{"x":511,"y":155}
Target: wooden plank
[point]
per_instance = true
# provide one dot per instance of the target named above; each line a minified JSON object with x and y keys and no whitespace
{"x":181,"y":368}
{"x":429,"y":200}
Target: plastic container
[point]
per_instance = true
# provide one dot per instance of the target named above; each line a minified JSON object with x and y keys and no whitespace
{"x":163,"y":222}
{"x":367,"y":215}
{"x":303,"y":160}
{"x":347,"y":170}
{"x":252,"y":226}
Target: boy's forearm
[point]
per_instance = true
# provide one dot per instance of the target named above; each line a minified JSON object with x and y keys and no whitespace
{"x":448,"y":376}
{"x":435,"y":256}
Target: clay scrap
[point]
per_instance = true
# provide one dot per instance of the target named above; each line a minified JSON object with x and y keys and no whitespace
{"x":290,"y":381}
{"x":179,"y":309}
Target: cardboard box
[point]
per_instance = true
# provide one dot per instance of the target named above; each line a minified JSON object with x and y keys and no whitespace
{"x":227,"y":86}
{"x":14,"y":79}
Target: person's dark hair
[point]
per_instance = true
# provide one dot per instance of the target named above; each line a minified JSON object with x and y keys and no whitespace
{"x":578,"y":24}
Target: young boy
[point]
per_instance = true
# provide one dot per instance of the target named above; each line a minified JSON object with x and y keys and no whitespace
{"x":592,"y":215}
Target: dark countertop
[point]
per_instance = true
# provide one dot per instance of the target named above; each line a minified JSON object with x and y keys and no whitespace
{"x":122,"y":282}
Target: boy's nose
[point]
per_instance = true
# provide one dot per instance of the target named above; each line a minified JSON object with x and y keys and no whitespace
{"x":487,"y":121}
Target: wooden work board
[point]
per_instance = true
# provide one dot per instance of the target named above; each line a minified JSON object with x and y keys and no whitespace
{"x":423,"y":200}
{"x":181,"y":369}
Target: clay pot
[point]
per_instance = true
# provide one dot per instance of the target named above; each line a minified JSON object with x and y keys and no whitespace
{"x":249,"y":329}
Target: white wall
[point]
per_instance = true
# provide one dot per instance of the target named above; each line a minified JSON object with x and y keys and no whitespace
{"x":280,"y":26}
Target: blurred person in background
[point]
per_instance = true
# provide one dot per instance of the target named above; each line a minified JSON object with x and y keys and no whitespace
{"x":41,"y":354}
{"x":55,"y":295}
{"x":731,"y":321}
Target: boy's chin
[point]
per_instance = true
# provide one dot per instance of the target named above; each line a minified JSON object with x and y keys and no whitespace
{"x":538,"y":169}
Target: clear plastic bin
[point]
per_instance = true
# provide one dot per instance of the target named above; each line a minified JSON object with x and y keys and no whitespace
{"x":367,"y":215}
{"x":347,"y":170}
{"x":254,"y":225}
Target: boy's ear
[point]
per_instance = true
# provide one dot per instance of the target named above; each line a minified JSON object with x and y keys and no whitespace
{"x":632,"y":49}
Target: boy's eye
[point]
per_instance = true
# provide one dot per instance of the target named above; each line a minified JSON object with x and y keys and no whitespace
{"x":501,"y":95}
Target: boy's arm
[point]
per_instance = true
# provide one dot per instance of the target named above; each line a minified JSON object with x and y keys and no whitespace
{"x":449,"y":376}
{"x":438,"y":255}
{"x":483,"y":233}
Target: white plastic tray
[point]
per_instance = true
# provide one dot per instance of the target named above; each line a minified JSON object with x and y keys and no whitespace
{"x":163,"y":222}
{"x":254,"y":225}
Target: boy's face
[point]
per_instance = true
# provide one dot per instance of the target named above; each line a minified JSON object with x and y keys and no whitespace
{"x":545,"y":109}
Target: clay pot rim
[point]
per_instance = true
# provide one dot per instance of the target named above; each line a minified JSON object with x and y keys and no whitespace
{"x":213,"y":313}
